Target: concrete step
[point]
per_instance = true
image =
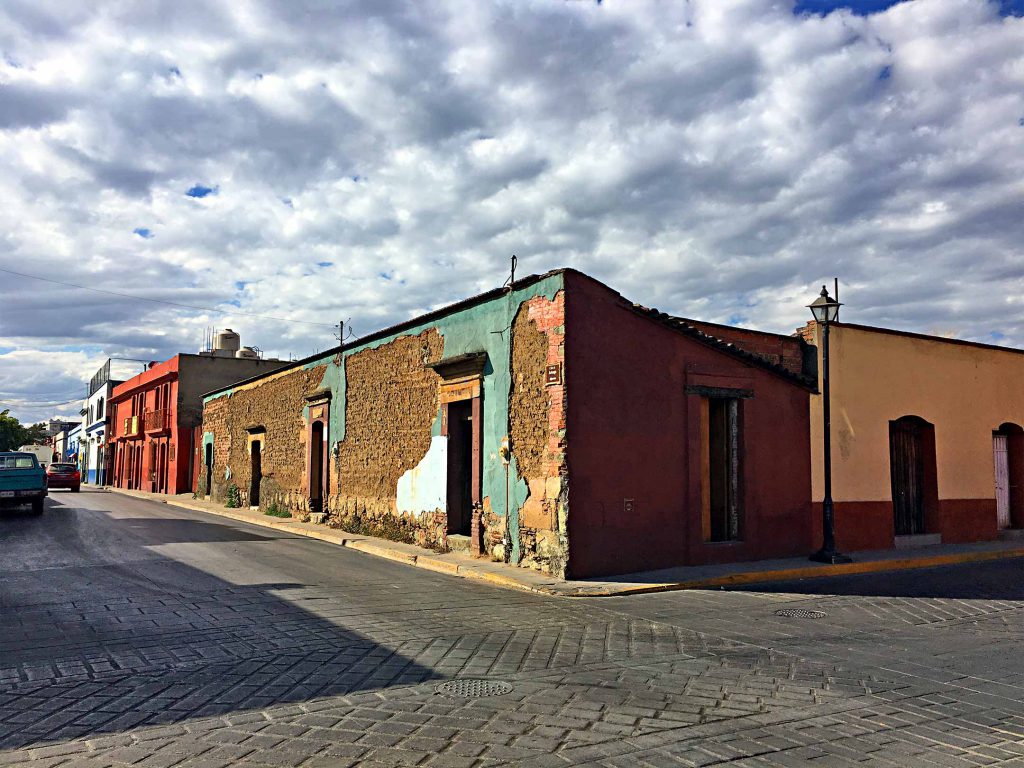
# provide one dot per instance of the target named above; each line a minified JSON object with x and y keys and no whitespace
{"x":458,"y":543}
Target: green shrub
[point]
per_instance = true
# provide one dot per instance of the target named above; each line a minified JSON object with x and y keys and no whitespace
{"x":275,"y":511}
{"x":388,"y":527}
{"x":234,"y":497}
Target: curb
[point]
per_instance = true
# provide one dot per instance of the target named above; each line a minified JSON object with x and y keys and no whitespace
{"x":468,"y":571}
{"x":811,"y":572}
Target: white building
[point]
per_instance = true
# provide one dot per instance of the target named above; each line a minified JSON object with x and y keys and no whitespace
{"x":95,"y":422}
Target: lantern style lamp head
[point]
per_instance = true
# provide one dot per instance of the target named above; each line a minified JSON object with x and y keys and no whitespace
{"x":824,"y":308}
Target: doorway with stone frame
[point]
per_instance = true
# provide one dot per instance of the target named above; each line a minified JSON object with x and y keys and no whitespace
{"x":462,"y":423}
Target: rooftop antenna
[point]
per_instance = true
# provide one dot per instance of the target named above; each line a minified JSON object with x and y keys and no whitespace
{"x":512,"y":277}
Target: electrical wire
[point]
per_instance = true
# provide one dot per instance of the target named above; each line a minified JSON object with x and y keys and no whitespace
{"x":161,"y":301}
{"x":20,"y":404}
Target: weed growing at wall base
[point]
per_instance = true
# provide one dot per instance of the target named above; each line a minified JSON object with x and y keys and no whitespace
{"x":234,"y":498}
{"x":275,"y":511}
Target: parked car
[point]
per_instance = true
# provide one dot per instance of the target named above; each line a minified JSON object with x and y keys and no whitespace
{"x":64,"y":476}
{"x":22,"y":481}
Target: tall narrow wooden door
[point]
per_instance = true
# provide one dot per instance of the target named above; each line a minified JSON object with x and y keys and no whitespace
{"x":907,"y":469}
{"x":1002,"y":465}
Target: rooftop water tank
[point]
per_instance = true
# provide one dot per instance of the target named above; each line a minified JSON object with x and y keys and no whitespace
{"x":247,"y":353}
{"x":226,"y":343}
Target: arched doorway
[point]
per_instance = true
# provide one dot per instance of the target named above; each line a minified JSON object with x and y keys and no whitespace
{"x":915,"y":493}
{"x":209,"y":468}
{"x":1008,"y":463}
{"x":255,"y":472}
{"x":316,"y":467}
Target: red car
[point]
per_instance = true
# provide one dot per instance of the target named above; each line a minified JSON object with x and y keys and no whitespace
{"x":64,"y":476}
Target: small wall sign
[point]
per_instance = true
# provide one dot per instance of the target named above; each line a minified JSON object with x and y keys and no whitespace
{"x":553,"y":374}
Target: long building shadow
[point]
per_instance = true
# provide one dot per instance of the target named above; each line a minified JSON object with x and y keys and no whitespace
{"x":992,"y":580}
{"x":123,"y":636}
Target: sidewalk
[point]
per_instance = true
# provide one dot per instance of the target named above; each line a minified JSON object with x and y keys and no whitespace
{"x":688,"y":577}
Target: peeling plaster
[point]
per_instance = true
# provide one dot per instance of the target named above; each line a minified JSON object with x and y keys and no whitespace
{"x":424,"y":488}
{"x":485,"y":327}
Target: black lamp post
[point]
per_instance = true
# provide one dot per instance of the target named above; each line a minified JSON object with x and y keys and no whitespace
{"x":826,"y":311}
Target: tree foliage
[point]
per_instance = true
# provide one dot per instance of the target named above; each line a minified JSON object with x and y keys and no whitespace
{"x":13,"y":434}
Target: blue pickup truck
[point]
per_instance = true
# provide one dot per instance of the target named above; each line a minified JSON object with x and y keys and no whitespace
{"x":22,"y":481}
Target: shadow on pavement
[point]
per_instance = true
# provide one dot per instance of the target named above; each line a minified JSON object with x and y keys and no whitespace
{"x":991,"y":580}
{"x":132,"y":638}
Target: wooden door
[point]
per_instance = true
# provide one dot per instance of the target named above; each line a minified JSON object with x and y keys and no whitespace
{"x":1002,"y":465}
{"x":460,"y":466}
{"x":255,"y":472}
{"x":907,"y":469}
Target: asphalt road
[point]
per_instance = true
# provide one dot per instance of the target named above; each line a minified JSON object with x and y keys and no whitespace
{"x":137,"y":633}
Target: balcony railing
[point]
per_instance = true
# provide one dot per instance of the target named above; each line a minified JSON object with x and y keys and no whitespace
{"x":156,"y":420}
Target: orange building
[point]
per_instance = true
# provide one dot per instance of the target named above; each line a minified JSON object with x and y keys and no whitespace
{"x":927,"y":438}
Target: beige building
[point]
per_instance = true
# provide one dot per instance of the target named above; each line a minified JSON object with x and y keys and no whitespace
{"x":927,"y":437}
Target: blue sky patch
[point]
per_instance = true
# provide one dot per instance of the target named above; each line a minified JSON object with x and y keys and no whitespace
{"x":885,"y":73}
{"x":174,"y":72}
{"x":198,"y":190}
{"x":143,"y":232}
{"x":325,"y":263}
{"x":867,"y":7}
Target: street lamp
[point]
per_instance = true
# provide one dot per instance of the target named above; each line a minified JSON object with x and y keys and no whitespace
{"x":826,"y":311}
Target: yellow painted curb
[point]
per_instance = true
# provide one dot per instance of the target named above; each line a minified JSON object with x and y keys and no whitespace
{"x":810,"y":572}
{"x":374,"y":549}
{"x":441,"y":566}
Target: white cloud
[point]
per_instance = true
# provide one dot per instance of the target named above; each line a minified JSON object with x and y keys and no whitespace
{"x":375,"y":159}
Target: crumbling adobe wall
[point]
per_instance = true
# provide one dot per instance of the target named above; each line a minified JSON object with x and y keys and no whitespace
{"x":391,"y":402}
{"x":537,"y":433}
{"x":276,"y":404}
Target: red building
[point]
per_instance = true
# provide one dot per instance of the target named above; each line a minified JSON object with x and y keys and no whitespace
{"x":155,"y":415}
{"x":685,"y":448}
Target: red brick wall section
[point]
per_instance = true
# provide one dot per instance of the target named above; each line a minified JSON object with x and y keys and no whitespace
{"x":537,"y":433}
{"x":786,"y":351}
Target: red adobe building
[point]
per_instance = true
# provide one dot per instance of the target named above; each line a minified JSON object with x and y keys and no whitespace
{"x":155,"y":415}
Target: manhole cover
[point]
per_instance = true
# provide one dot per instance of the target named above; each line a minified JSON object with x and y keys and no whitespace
{"x":473,"y":689}
{"x":800,"y":613}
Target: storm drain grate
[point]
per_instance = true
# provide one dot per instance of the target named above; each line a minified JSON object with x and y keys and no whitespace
{"x":473,"y":688}
{"x":800,"y":613}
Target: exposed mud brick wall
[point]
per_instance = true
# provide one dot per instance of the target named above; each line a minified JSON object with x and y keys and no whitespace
{"x":391,"y":401}
{"x":787,"y":351}
{"x":277,"y":405}
{"x":537,"y":432}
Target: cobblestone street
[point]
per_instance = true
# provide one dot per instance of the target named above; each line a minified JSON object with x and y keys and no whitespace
{"x":135,"y":633}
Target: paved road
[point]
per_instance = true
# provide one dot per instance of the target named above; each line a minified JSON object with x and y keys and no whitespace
{"x":134,"y":633}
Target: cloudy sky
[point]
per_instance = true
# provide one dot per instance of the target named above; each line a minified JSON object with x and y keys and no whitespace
{"x":373,"y":159}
